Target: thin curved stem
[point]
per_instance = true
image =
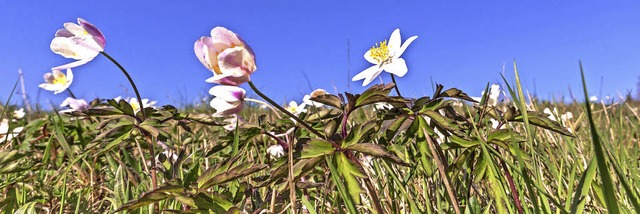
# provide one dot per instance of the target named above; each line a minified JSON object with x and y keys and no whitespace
{"x":393,"y":78}
{"x":71,"y":94}
{"x":263,"y":103}
{"x":300,"y":121}
{"x":135,"y":89}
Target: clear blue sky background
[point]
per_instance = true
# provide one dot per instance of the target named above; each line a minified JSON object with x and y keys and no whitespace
{"x":461,"y":44}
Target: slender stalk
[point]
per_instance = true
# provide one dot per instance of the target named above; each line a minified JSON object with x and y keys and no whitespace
{"x":300,"y":121}
{"x":512,"y":186}
{"x":263,"y":103}
{"x":135,"y":89}
{"x":393,"y":78}
{"x":71,"y":94}
{"x":441,"y":169}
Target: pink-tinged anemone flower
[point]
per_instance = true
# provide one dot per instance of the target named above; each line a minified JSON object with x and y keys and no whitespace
{"x":82,"y":41}
{"x":229,"y":58}
{"x":74,"y":104}
{"x":229,"y":100}
{"x":385,"y":57}
{"x":57,"y":81}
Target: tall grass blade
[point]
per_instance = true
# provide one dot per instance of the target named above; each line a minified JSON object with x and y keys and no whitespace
{"x":607,"y":184}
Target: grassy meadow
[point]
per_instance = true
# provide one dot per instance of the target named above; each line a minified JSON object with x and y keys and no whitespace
{"x":433,"y":154}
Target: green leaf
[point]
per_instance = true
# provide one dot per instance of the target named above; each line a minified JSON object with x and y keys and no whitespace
{"x":328,"y":99}
{"x":377,"y":151}
{"x":395,"y":126}
{"x":323,"y":114}
{"x":206,"y":119}
{"x":456,"y":93}
{"x":458,"y":142}
{"x":316,"y":147}
{"x":579,"y":197}
{"x":608,"y":190}
{"x":375,"y":94}
{"x":230,"y":175}
{"x":161,"y":193}
{"x":360,"y":133}
{"x":349,"y":173}
{"x":505,"y":135}
{"x":541,"y":120}
{"x":300,"y":168}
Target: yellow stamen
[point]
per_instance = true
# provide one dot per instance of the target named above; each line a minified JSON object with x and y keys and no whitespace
{"x":380,"y":53}
{"x":60,"y":80}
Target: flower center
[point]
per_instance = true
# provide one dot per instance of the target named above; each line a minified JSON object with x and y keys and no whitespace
{"x":380,"y":53}
{"x":60,"y":80}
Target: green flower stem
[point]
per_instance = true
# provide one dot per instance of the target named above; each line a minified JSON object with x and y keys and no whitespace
{"x":135,"y":89}
{"x":71,"y":94}
{"x":393,"y":78}
{"x":300,"y":121}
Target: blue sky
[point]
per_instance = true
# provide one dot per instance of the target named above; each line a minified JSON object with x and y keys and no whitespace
{"x":303,"y":46}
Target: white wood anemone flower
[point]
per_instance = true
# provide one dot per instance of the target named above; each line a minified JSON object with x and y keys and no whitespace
{"x":226,"y":55}
{"x":57,"y":81}
{"x":296,"y":109}
{"x":18,"y":114}
{"x":385,"y":57}
{"x":229,"y":100}
{"x":6,"y":133}
{"x":74,"y":105}
{"x":275,"y":151}
{"x":82,"y":41}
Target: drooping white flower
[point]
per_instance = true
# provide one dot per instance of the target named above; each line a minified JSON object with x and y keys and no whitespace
{"x":82,"y":41}
{"x":6,"y":133}
{"x":385,"y":57}
{"x":57,"y":81}
{"x":74,"y":104}
{"x":229,"y":100}
{"x":229,"y":58}
{"x":275,"y":151}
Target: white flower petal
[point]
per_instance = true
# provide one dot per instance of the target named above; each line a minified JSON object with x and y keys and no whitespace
{"x":73,"y":64}
{"x":228,"y":93}
{"x":368,"y":74}
{"x":367,"y":56}
{"x":397,"y":67}
{"x":404,"y":46}
{"x":394,"y":41}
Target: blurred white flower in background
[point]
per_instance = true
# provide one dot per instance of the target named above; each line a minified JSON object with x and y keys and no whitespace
{"x":296,"y":109}
{"x":6,"y":134}
{"x":18,"y":114}
{"x":492,"y":98}
{"x":233,"y":123}
{"x":74,"y":104}
{"x":275,"y":151}
{"x":593,"y":98}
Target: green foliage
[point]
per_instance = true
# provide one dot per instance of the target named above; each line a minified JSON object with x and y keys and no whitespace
{"x":440,"y":153}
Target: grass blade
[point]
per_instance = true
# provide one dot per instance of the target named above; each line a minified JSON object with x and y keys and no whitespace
{"x":607,"y":184}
